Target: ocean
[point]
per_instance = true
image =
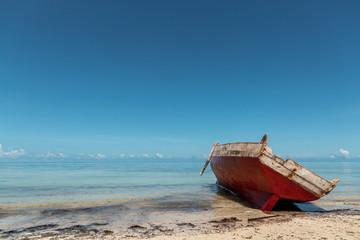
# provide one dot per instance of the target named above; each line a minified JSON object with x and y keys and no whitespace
{"x":61,"y":192}
{"x":66,"y":181}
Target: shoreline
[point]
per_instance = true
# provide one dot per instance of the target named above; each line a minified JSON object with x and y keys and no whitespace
{"x":222,"y":216}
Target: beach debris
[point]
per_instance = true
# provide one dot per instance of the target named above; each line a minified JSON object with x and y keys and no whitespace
{"x":107,"y":232}
{"x":100,"y":224}
{"x":261,"y":218}
{"x":186,"y":224}
{"x":225,"y":220}
{"x":136,"y":227}
{"x":161,"y":228}
{"x":75,"y":228}
{"x":224,"y":224}
{"x":30,"y":229}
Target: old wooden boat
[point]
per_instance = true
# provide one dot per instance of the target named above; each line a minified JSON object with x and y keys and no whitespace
{"x":251,"y":170}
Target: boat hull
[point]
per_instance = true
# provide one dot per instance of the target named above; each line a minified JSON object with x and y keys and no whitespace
{"x":256,"y":182}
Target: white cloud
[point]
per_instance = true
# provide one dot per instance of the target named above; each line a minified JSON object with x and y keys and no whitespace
{"x":200,"y":156}
{"x":62,"y":155}
{"x":159,"y":155}
{"x":11,"y":153}
{"x":342,"y":153}
{"x":97,"y":156}
{"x":122,"y":155}
{"x":145,"y":155}
{"x":52,"y":155}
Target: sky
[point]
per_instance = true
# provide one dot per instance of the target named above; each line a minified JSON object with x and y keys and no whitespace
{"x":108,"y":79}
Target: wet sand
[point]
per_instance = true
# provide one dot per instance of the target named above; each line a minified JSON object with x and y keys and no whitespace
{"x":222,"y":216}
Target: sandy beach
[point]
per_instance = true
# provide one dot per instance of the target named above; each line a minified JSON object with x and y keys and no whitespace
{"x":225,"y":217}
{"x":332,"y":226}
{"x":341,"y":225}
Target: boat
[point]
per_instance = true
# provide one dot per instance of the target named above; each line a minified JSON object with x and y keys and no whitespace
{"x":252,"y":171}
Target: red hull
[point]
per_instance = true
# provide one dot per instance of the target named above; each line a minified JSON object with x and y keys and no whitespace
{"x":256,"y":182}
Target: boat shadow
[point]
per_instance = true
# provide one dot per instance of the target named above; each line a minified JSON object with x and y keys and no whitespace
{"x":281,"y":206}
{"x":221,"y":192}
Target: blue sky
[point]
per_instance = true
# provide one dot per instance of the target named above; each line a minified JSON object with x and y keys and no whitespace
{"x":169,"y":78}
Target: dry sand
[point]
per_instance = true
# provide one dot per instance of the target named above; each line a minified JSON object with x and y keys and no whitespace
{"x":333,"y":226}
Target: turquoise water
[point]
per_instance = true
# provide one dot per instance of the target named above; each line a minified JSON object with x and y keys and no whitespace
{"x":65,"y":192}
{"x":58,"y":181}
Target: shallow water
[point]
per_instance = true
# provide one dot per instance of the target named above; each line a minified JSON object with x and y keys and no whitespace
{"x":68,"y":192}
{"x":28,"y":182}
